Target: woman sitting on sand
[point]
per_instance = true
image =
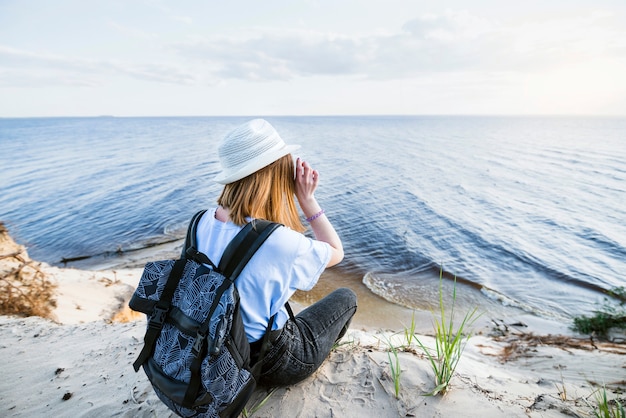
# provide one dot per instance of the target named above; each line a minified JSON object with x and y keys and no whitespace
{"x":258,"y":177}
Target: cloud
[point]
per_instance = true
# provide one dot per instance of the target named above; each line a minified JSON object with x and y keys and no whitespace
{"x":24,"y":68}
{"x":448,"y":27}
{"x":29,"y":79}
{"x":448,"y":42}
{"x":275,"y":55}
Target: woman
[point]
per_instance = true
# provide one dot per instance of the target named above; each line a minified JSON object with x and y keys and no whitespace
{"x":258,"y":177}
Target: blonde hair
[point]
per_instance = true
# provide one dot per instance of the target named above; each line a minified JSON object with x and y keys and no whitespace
{"x":268,"y":193}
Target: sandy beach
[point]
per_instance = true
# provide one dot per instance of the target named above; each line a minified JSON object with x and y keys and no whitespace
{"x":78,"y":362}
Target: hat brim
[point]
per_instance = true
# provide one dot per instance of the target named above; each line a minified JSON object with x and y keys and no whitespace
{"x":230,"y":176}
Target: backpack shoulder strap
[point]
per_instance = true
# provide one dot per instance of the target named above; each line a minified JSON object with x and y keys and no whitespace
{"x":190,"y":239}
{"x":190,"y":248}
{"x":244,"y":245}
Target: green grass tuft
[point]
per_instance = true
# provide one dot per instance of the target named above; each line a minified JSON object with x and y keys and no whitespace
{"x":604,"y":408}
{"x":248,"y":413}
{"x":396,"y":371}
{"x":450,"y":342}
{"x":610,"y":315}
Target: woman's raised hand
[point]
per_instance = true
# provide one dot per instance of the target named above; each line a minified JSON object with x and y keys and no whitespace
{"x":307,"y":180}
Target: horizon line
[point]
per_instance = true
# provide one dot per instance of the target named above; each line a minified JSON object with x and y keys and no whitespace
{"x":536,"y":115}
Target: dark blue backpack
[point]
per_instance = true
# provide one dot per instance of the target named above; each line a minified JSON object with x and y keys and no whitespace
{"x":195,"y":351}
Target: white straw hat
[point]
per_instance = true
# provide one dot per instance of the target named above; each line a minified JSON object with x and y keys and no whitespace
{"x":249,"y":148}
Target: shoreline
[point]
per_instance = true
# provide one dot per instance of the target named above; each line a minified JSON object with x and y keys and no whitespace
{"x":374,"y":312}
{"x":81,"y":363}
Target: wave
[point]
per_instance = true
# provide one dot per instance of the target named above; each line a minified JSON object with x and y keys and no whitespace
{"x":419,"y":290}
{"x":402,"y":259}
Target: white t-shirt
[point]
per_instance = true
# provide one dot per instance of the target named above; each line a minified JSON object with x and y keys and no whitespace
{"x":287,"y":261}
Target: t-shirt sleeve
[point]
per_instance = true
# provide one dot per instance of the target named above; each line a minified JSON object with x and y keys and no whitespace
{"x":303,"y":259}
{"x":312,"y":258}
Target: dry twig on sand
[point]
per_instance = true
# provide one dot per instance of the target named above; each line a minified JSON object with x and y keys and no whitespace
{"x":24,"y":287}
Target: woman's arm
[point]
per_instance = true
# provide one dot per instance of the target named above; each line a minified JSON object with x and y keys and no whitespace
{"x":307,"y":180}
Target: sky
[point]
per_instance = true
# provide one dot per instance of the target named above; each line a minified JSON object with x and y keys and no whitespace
{"x":271,"y":57}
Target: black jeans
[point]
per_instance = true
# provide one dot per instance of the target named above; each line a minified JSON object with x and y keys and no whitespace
{"x":304,"y":343}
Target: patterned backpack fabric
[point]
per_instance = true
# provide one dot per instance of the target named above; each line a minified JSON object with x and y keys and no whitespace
{"x":196,"y":354}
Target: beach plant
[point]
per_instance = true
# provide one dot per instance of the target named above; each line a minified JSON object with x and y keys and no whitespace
{"x":394,"y":359}
{"x":255,"y":408}
{"x":396,"y":371}
{"x":449,"y":342}
{"x":562,"y":390}
{"x":350,"y":342}
{"x":612,"y":314}
{"x":604,"y":408}
{"x":409,"y":332}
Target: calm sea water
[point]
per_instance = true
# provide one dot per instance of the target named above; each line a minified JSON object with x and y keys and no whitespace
{"x":530,"y":210}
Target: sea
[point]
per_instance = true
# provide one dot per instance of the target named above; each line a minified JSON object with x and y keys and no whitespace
{"x":529,"y":212}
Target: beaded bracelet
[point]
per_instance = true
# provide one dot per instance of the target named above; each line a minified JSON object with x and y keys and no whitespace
{"x":314,"y":217}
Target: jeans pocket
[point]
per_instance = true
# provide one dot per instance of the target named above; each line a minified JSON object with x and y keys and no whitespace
{"x":287,"y":370}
